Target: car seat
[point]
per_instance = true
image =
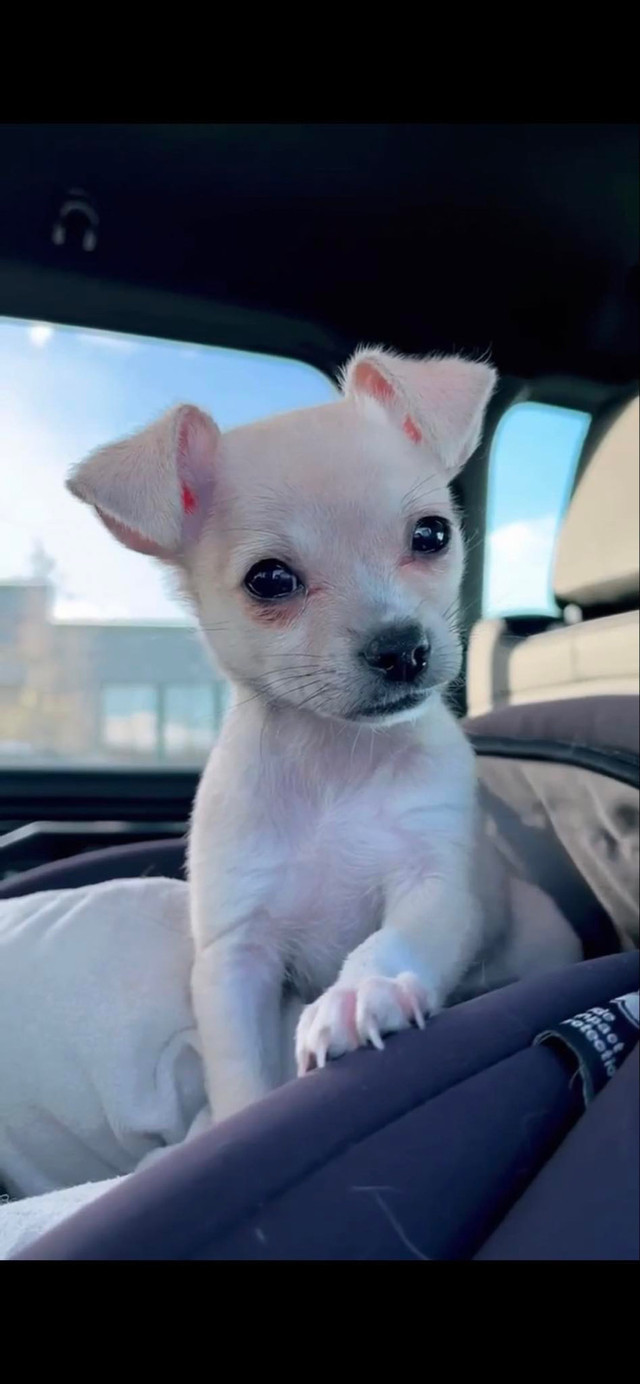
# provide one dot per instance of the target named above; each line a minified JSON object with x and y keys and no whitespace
{"x":470,"y":1139}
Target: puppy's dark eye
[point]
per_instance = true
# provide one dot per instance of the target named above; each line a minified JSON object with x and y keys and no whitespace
{"x":431,"y":535}
{"x":271,"y":580}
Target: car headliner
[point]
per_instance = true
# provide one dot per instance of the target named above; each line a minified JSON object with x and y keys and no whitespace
{"x":516,"y":239}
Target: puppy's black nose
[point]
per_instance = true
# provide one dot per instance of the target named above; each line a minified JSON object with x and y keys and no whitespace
{"x":399,"y":653}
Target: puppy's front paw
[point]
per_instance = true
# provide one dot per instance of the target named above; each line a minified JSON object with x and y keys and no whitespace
{"x":344,"y":1019}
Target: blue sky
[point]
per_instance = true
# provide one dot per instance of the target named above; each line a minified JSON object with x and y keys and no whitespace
{"x":533,"y":460}
{"x":66,"y":391}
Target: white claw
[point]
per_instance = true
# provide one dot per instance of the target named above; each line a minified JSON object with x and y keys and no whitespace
{"x":374,"y":1036}
{"x":303,"y":1061}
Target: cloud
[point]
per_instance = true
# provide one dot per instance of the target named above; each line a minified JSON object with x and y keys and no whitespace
{"x":40,"y":333}
{"x":518,"y":567}
{"x":74,"y":608}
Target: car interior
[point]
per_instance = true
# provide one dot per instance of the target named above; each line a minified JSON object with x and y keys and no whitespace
{"x":591,"y":646}
{"x":274,"y":250}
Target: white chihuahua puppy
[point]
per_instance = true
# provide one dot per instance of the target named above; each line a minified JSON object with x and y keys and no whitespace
{"x":336,"y":883}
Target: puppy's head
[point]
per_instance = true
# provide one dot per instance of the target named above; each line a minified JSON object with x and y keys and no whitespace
{"x":321,"y":548}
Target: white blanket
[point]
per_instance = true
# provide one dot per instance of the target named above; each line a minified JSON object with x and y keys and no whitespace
{"x":22,"y":1222}
{"x":100,"y":1069}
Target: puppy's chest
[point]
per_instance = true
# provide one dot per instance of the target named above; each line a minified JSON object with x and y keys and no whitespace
{"x":335,"y":848}
{"x":329,"y":861}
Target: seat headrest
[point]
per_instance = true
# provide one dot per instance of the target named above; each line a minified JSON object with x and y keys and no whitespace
{"x":596,"y":557}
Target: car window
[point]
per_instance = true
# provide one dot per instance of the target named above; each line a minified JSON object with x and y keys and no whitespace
{"x":99,"y":661}
{"x":532,"y":465}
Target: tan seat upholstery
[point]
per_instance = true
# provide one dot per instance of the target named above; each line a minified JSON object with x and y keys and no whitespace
{"x":596,"y":567}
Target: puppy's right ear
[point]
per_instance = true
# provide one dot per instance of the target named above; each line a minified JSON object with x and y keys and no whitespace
{"x":154,"y":490}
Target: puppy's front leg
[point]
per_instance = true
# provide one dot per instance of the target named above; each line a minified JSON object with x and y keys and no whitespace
{"x":402,"y":972}
{"x":237,"y":996}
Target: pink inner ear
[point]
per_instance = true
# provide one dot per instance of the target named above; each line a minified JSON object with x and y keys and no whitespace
{"x":411,"y":429}
{"x":370,"y":381}
{"x":189,"y":502}
{"x":196,"y":442}
{"x":373,"y":383}
{"x":187,"y":437}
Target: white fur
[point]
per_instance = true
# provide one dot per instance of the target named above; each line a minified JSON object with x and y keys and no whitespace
{"x":332,"y":858}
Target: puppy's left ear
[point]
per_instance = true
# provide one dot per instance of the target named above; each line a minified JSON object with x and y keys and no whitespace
{"x":438,"y":403}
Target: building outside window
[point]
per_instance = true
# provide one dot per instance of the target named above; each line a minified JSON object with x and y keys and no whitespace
{"x":129,"y":719}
